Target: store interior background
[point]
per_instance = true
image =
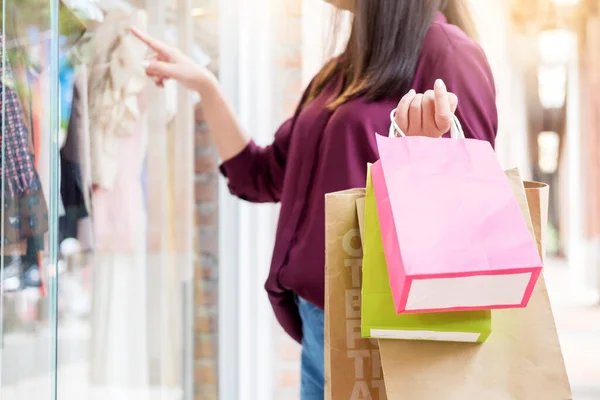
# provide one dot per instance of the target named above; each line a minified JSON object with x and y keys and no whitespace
{"x":188,"y":318}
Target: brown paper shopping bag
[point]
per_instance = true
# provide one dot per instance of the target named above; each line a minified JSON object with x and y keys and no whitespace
{"x":522,"y":359}
{"x":352,"y":364}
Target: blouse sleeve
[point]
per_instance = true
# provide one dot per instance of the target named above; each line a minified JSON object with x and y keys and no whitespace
{"x":256,"y":173}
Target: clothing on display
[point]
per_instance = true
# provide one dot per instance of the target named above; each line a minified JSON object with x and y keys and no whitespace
{"x":24,"y":217}
{"x":27,"y":135}
{"x":85,"y":9}
{"x":24,"y":205}
{"x":116,"y":78}
{"x":19,"y":172}
{"x":119,"y":333}
{"x":119,"y":348}
{"x":76,"y":148}
{"x":115,"y":138}
{"x":25,"y":209}
{"x":76,"y":181}
{"x":102,"y":186}
{"x":66,"y":78}
{"x":72,"y":197}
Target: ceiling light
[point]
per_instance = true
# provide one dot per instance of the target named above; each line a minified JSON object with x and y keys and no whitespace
{"x":198,"y":12}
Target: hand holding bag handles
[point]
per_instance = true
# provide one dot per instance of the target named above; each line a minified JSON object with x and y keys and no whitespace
{"x":456,"y":131}
{"x":454,"y":236}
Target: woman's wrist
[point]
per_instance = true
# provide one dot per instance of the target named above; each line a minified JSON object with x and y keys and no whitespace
{"x":206,"y":83}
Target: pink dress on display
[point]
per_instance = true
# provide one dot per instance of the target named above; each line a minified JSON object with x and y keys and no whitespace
{"x":119,"y":307}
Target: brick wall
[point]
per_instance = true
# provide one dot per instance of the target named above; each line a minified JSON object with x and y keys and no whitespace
{"x":206,"y":270}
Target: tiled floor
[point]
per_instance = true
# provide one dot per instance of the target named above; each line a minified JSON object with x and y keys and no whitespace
{"x":579,"y":331}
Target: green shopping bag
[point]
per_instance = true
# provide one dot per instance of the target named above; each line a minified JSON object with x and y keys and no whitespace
{"x":379,"y":319}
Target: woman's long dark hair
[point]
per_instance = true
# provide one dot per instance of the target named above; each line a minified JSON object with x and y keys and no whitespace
{"x":384,"y":45}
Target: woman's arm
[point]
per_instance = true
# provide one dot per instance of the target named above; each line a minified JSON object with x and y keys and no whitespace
{"x":225,"y":130}
{"x":254,"y":173}
{"x":168,"y":62}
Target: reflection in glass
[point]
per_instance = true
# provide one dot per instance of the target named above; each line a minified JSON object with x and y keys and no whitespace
{"x":29,"y":212}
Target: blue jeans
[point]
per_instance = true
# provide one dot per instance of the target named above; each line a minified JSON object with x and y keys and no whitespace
{"x":312,"y":378}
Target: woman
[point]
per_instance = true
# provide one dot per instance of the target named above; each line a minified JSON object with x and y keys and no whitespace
{"x":408,"y":50}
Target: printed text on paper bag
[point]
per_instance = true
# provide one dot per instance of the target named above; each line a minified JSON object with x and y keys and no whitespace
{"x":367,"y":364}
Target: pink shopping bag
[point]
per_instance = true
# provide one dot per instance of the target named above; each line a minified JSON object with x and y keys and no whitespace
{"x":454,"y":236}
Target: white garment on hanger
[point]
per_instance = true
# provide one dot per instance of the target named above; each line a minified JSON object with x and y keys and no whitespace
{"x":116,"y":78}
{"x":120,"y":353}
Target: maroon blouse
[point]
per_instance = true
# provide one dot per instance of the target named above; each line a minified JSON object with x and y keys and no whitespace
{"x":320,"y":151}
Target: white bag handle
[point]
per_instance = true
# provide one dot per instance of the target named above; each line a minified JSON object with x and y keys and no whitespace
{"x":456,"y":131}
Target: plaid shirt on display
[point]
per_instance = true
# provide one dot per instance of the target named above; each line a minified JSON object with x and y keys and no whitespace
{"x":19,"y":170}
{"x":24,"y":207}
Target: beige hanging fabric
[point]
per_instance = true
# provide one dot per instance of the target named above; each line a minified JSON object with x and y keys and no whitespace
{"x":116,"y":79}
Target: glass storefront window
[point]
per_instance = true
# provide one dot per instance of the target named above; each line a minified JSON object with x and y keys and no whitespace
{"x":97,"y":221}
{"x":29,"y":230}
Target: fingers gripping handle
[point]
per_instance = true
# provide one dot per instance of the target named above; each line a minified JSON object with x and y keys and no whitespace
{"x":456,"y":131}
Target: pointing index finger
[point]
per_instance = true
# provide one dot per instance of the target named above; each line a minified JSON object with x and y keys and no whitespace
{"x":156,"y":45}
